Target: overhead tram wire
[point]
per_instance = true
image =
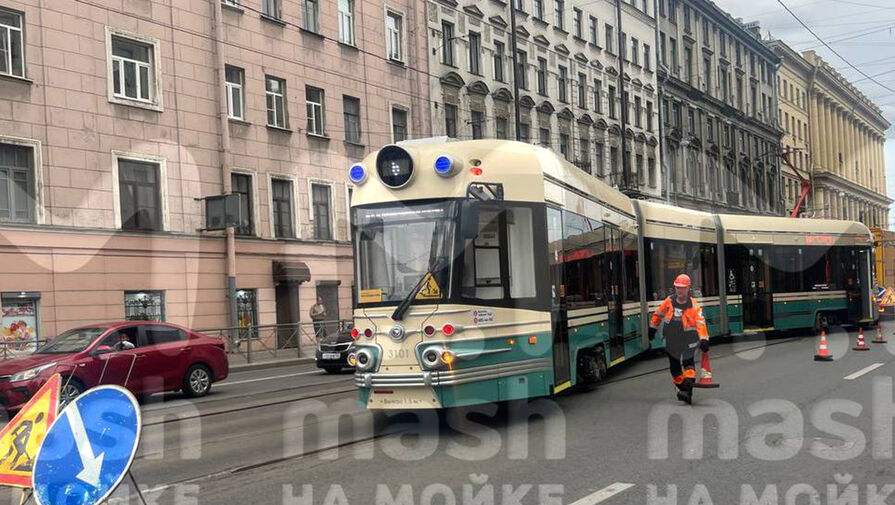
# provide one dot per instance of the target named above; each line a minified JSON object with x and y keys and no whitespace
{"x":822,"y":41}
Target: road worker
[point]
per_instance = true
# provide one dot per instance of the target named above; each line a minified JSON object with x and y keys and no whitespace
{"x":684,"y":330}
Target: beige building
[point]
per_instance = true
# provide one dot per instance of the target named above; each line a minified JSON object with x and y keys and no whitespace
{"x":118,"y":115}
{"x":571,"y":86}
{"x":837,"y":135}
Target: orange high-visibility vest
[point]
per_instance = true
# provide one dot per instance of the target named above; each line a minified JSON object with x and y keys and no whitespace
{"x":692,"y":319}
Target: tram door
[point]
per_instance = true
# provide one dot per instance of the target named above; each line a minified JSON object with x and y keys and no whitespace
{"x":857,"y":278}
{"x":758,"y":303}
{"x":558,"y":306}
{"x":613,"y":292}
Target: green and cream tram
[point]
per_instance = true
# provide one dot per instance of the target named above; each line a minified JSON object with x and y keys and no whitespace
{"x":492,"y":270}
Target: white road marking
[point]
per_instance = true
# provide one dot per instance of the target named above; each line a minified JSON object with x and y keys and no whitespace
{"x":604,"y":494}
{"x":863,"y":371}
{"x":312,"y":372}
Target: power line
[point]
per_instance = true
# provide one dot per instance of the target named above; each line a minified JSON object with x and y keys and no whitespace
{"x":822,"y":41}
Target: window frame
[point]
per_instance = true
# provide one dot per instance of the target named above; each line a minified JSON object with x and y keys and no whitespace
{"x":162,"y":183}
{"x":252,"y":195}
{"x":345,"y":115}
{"x":498,"y":60}
{"x":293,"y":208}
{"x":312,"y":217}
{"x":21,"y":36}
{"x":268,"y":94}
{"x":474,"y":54}
{"x":272,"y":9}
{"x":391,"y":52}
{"x":240,"y":88}
{"x":391,"y":119}
{"x":312,"y":107}
{"x":156,"y":94}
{"x":346,"y":22}
{"x":306,"y":18}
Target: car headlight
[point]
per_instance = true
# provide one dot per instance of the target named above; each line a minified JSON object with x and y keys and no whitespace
{"x":31,"y":372}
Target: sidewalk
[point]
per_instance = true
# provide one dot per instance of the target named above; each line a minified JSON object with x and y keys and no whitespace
{"x":263,"y":359}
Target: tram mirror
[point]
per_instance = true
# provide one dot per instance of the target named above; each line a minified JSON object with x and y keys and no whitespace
{"x":469,"y":219}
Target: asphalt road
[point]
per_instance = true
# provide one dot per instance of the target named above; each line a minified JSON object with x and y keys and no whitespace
{"x":780,"y":428}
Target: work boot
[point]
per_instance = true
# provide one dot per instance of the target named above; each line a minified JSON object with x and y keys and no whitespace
{"x":685,"y":396}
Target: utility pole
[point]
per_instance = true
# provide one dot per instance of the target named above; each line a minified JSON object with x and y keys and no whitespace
{"x":515,"y":69}
{"x":622,"y":49}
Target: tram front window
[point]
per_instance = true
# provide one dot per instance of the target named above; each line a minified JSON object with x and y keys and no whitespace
{"x":398,"y":245}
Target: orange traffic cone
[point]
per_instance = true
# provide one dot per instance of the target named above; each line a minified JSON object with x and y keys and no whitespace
{"x":879,"y":336}
{"x":861,"y":345}
{"x":705,"y":380}
{"x":822,"y":353}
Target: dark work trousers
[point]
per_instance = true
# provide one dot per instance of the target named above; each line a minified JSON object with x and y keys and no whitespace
{"x":675,"y":362}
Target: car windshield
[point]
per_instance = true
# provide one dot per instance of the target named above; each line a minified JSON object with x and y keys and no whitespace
{"x":397,"y":246}
{"x":71,"y":341}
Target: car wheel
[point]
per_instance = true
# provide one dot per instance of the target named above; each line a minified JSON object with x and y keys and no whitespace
{"x":197,"y":381}
{"x":333,"y":370}
{"x":70,"y":389}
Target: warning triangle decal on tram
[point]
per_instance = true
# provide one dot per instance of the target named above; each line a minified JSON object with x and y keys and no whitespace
{"x":21,"y":438}
{"x":430,"y":289}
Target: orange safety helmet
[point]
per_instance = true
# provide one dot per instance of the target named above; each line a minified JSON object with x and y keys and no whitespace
{"x":682,"y":281}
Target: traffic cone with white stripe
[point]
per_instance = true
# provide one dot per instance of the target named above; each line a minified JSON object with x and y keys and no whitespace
{"x":861,"y":345}
{"x":705,"y":379}
{"x":822,"y":353}
{"x":879,"y":336}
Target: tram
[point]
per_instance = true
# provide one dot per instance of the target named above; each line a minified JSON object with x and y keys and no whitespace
{"x":493,"y":270}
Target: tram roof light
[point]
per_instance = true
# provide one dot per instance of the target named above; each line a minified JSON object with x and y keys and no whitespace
{"x":357,"y":173}
{"x":446,"y":166}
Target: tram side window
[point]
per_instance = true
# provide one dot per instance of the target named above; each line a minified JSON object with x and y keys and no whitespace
{"x":671,"y":258}
{"x":631,"y":273}
{"x":582,"y":246}
{"x":822,"y":269}
{"x":787,"y":269}
{"x":501,"y":256}
{"x":709,"y":264}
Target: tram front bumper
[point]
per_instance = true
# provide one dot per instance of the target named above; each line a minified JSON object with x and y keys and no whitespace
{"x":452,"y":377}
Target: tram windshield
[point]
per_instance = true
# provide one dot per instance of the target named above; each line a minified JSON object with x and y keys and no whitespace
{"x":396,"y":247}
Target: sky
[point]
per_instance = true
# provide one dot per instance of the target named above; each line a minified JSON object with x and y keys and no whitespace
{"x":862,"y":31}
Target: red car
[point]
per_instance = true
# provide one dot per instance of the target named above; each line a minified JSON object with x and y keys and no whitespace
{"x":145,"y":357}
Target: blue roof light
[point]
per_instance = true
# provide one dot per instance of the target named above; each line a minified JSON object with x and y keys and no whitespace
{"x":444,"y":165}
{"x":357,"y":174}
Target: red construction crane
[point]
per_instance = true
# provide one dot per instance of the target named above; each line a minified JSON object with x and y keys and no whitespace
{"x":805,"y":184}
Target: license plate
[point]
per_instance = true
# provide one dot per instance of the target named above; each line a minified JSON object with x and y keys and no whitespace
{"x":331,"y":355}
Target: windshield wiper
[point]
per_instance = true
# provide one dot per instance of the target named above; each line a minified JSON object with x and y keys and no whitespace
{"x":398,"y":314}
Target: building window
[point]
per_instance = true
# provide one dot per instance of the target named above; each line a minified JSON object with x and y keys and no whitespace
{"x":447,"y":43}
{"x":450,"y":120}
{"x":612,"y":114}
{"x":542,"y":76}
{"x":276,"y":101}
{"x":520,"y":5}
{"x":346,"y":22}
{"x":638,"y":112}
{"x":281,"y":200}
{"x":399,"y":124}
{"x":559,"y":7}
{"x":477,"y":120}
{"x":593,"y":30}
{"x":320,"y":197}
{"x":524,"y":132}
{"x":544,"y":137}
{"x":17,"y":186}
{"x":139,"y":193}
{"x":394,"y":36}
{"x":582,"y":94}
{"x":273,"y":8}
{"x":577,"y":23}
{"x":475,"y":50}
{"x":598,"y":98}
{"x":498,"y":61}
{"x":351,"y":109}
{"x":647,"y":57}
{"x":144,"y":305}
{"x":649,"y":116}
{"x":316,"y":117}
{"x":133,"y":70}
{"x":12,"y":47}
{"x":610,"y":43}
{"x":522,"y":69}
{"x":500,"y":128}
{"x":310,"y":14}
{"x":598,"y":152}
{"x":635,"y":51}
{"x":672,"y":50}
{"x":539,"y":9}
{"x":242,"y":186}
{"x":562,"y":82}
{"x":651,"y":166}
{"x":235,"y":92}
{"x":564,"y":145}
{"x":584,"y":155}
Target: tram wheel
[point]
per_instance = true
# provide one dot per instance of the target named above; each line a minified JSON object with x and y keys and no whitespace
{"x":591,"y":369}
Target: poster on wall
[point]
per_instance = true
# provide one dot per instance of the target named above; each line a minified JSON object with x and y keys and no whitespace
{"x":20,"y":325}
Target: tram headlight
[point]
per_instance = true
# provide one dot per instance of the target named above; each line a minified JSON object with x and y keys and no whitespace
{"x":365,"y":360}
{"x":394,"y":166}
{"x":432,"y":358}
{"x":446,"y":166}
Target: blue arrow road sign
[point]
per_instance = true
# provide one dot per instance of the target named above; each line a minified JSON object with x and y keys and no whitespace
{"x":89,"y":449}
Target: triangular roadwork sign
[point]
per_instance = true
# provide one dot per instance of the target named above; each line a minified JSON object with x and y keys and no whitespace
{"x":430,"y":289}
{"x":21,"y":437}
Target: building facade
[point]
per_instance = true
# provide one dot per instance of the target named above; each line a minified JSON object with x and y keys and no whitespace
{"x":571,"y":86}
{"x":119,"y":115}
{"x":718,"y":110}
{"x":847,"y":142}
{"x":793,"y":84}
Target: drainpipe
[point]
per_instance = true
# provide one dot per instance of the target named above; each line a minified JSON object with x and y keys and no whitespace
{"x":224,"y":154}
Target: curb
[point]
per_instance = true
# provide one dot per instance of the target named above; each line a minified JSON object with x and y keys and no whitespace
{"x":248,"y":367}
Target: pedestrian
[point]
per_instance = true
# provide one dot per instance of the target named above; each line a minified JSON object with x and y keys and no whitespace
{"x":684,"y":330}
{"x":318,"y":315}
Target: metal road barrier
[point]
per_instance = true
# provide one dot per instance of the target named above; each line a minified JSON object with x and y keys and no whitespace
{"x":276,"y":340}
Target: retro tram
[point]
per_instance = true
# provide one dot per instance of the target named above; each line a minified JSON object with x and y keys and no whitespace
{"x":492,"y":270}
